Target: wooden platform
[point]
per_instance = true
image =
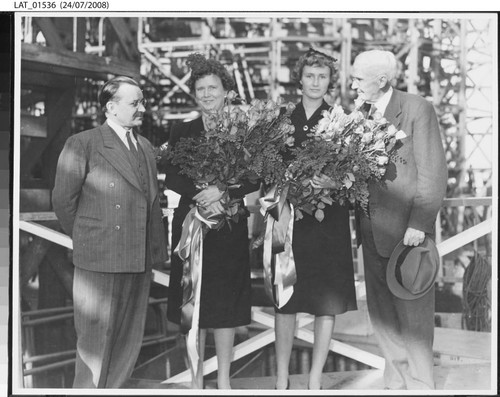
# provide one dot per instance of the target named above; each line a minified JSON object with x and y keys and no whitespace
{"x":457,"y":377}
{"x":455,"y":343}
{"x":468,"y":377}
{"x":463,"y":363}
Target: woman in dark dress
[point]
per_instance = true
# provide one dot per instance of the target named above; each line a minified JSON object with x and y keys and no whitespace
{"x":322,"y":250}
{"x":225,"y":292}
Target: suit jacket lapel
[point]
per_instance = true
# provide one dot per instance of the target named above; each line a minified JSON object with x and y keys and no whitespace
{"x":114,"y":154}
{"x":393,"y":111}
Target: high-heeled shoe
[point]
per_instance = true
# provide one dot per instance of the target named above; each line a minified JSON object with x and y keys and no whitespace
{"x":287,"y":385}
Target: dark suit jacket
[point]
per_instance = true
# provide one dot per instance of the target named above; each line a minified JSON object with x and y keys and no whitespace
{"x":100,"y":204}
{"x":414,"y":189}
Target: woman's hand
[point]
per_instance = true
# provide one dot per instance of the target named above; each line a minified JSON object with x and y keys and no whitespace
{"x":209,"y":195}
{"x":321,"y":181}
{"x":215,"y":208}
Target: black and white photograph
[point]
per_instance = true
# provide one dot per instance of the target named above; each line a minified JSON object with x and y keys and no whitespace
{"x":254,"y":203}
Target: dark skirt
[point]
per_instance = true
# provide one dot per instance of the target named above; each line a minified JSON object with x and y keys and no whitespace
{"x":323,"y":260}
{"x":226,"y":290}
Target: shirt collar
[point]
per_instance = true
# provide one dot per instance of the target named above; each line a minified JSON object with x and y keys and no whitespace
{"x":383,"y":101}
{"x":121,"y":131}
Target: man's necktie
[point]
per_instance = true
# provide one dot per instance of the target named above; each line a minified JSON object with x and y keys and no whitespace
{"x":131,"y":145}
{"x":372,"y":111}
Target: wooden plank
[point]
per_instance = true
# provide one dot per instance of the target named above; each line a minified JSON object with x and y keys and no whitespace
{"x":46,"y":233}
{"x":463,"y":343}
{"x":125,"y":38}
{"x":465,"y":237}
{"x":466,"y":201}
{"x":49,"y":31}
{"x":447,"y":341}
{"x":241,"y":350}
{"x":38,"y":216}
{"x":161,"y":277}
{"x":66,"y":62}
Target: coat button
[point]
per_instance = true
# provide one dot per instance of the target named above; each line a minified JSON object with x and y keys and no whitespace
{"x":112,"y":184}
{"x":117,"y":206}
{"x":306,"y":128}
{"x":117,"y":227}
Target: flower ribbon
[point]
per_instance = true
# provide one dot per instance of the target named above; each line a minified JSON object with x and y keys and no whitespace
{"x":190,"y":250}
{"x":278,"y":254}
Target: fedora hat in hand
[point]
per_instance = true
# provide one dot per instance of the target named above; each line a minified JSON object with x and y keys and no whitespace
{"x":412,"y":271}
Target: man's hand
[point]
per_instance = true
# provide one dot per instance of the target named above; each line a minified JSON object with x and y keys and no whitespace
{"x":208,"y":196}
{"x":413,"y":237}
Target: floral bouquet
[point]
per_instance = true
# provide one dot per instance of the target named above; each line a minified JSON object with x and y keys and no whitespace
{"x":269,"y":132}
{"x":241,"y":142}
{"x":349,"y":149}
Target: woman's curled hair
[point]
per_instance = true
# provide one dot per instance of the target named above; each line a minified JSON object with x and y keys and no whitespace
{"x":201,"y":67}
{"x":314,"y":58}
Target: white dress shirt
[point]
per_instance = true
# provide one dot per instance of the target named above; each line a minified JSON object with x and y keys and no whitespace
{"x":122,"y":133}
{"x":383,"y":101}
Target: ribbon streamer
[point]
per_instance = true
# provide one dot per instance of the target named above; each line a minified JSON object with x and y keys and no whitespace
{"x":278,"y":255}
{"x":190,"y":250}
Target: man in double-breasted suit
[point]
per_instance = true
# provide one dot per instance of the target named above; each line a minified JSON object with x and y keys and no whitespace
{"x":404,"y":208}
{"x":106,"y":198}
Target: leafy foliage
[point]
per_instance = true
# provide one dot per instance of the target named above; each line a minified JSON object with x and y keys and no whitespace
{"x":350,"y":149}
{"x":240,"y":143}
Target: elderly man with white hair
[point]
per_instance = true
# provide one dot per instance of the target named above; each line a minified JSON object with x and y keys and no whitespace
{"x":402,"y":209}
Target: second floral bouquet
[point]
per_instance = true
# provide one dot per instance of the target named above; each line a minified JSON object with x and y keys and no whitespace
{"x":348,"y":148}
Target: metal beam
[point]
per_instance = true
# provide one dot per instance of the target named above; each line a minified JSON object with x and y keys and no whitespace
{"x":154,"y":61}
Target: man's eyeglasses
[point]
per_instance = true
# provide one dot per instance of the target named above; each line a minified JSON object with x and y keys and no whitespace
{"x":139,"y":102}
{"x":136,"y":104}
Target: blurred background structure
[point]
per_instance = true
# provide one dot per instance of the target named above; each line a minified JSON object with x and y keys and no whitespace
{"x":65,"y":60}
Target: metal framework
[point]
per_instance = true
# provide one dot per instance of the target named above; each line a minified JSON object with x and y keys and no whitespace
{"x":449,"y":61}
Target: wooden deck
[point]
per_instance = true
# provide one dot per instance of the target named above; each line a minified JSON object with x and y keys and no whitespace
{"x":456,"y":344}
{"x":459,"y":377}
{"x":453,"y":378}
{"x":463,"y":364}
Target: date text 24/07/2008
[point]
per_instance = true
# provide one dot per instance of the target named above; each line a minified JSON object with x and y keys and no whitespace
{"x":61,"y":5}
